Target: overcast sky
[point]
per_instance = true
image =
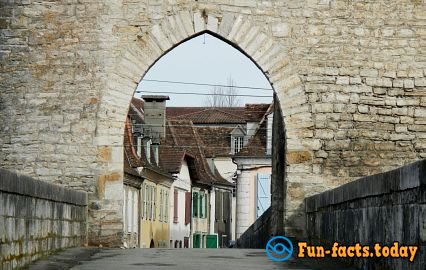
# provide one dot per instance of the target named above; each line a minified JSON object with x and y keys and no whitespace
{"x":204,"y":59}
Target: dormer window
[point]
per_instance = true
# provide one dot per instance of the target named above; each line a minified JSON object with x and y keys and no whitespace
{"x":238,"y":144}
{"x":238,"y":137}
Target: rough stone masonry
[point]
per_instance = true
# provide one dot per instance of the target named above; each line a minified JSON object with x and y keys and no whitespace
{"x":349,"y":75}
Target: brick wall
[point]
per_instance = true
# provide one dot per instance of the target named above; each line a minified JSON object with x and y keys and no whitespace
{"x":37,"y":218}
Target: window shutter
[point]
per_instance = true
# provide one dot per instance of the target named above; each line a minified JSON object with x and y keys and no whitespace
{"x":166,"y":207}
{"x":201,"y":205}
{"x":195,"y":204}
{"x":187,"y":207}
{"x":263,"y":193}
{"x":206,"y":206}
{"x":218,"y":205}
{"x":154,"y":216}
{"x":226,"y":206}
{"x":149,"y":203}
{"x":175,"y":207}
{"x":161,"y":205}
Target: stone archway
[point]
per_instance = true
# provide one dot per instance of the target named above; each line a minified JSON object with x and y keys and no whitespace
{"x":145,"y":49}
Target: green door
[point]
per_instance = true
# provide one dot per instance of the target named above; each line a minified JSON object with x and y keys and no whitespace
{"x":196,"y":241}
{"x":211,"y":241}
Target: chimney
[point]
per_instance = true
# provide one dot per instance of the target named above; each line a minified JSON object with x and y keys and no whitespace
{"x":155,"y":113}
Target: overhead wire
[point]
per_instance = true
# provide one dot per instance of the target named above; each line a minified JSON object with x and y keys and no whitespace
{"x":201,"y":94}
{"x":207,"y":84}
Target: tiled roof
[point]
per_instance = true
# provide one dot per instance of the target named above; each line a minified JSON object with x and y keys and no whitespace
{"x":132,"y":161}
{"x":255,"y":112}
{"x":136,"y":110}
{"x":182,"y":139}
{"x":213,"y":116}
{"x":219,"y":115}
{"x":256,"y":146}
{"x":216,"y":140}
{"x":207,"y":115}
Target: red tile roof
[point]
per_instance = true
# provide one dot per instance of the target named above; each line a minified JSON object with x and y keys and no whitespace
{"x":183,"y":140}
{"x":216,"y":140}
{"x":219,"y":115}
{"x":131,"y":159}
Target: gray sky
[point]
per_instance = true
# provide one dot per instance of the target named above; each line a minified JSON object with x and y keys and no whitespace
{"x":211,"y":62}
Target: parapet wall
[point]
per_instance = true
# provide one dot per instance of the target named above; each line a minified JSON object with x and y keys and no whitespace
{"x":37,"y":218}
{"x":381,"y":208}
{"x":258,"y":234}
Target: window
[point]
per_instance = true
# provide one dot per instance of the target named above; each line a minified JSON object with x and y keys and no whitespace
{"x":195,"y":204}
{"x":161,"y":205}
{"x":206,"y":206}
{"x":144,"y":202}
{"x":166,"y":208}
{"x":187,"y":208}
{"x":148,"y":203}
{"x":238,"y":144}
{"x":154,"y":202}
{"x":201,"y":205}
{"x":175,"y":206}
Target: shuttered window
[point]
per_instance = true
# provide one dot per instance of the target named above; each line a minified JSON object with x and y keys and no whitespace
{"x":218,"y":205}
{"x":263,"y":193}
{"x":206,"y":204}
{"x":201,"y":205}
{"x":149,"y":202}
{"x":226,"y":206}
{"x":154,"y":202}
{"x":195,"y":204}
{"x":161,"y":205}
{"x":187,"y":207}
{"x":166,"y":207}
{"x":175,"y":206}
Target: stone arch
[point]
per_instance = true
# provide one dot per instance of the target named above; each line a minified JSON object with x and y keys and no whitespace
{"x":148,"y":47}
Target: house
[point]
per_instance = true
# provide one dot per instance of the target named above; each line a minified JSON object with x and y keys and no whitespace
{"x":254,"y":168}
{"x":183,"y":155}
{"x":147,"y":187}
{"x":236,"y":144}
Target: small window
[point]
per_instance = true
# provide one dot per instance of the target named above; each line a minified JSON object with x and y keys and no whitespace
{"x":238,"y":143}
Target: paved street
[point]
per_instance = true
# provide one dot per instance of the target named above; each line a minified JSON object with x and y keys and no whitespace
{"x":184,"y":259}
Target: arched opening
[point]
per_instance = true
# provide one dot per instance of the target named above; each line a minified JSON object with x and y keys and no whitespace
{"x":233,"y":146}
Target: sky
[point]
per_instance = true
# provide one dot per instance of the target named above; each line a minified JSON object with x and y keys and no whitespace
{"x":207,"y":60}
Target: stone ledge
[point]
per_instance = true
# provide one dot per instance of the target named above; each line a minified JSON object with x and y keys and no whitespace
{"x":407,"y":177}
{"x":13,"y":182}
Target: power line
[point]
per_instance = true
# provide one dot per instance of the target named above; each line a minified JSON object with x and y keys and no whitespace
{"x":207,"y":84}
{"x":200,"y":94}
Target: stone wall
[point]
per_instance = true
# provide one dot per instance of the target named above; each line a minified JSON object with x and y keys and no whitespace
{"x":37,"y":218}
{"x":349,"y":75}
{"x":382,"y":208}
{"x":259,"y":233}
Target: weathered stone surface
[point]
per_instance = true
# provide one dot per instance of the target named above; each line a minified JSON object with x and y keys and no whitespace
{"x":37,"y":218}
{"x":386,"y":207}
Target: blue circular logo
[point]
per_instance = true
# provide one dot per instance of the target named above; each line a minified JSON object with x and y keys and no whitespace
{"x":279,"y":248}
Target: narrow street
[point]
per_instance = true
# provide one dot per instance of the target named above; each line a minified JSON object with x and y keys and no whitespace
{"x":179,"y":259}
